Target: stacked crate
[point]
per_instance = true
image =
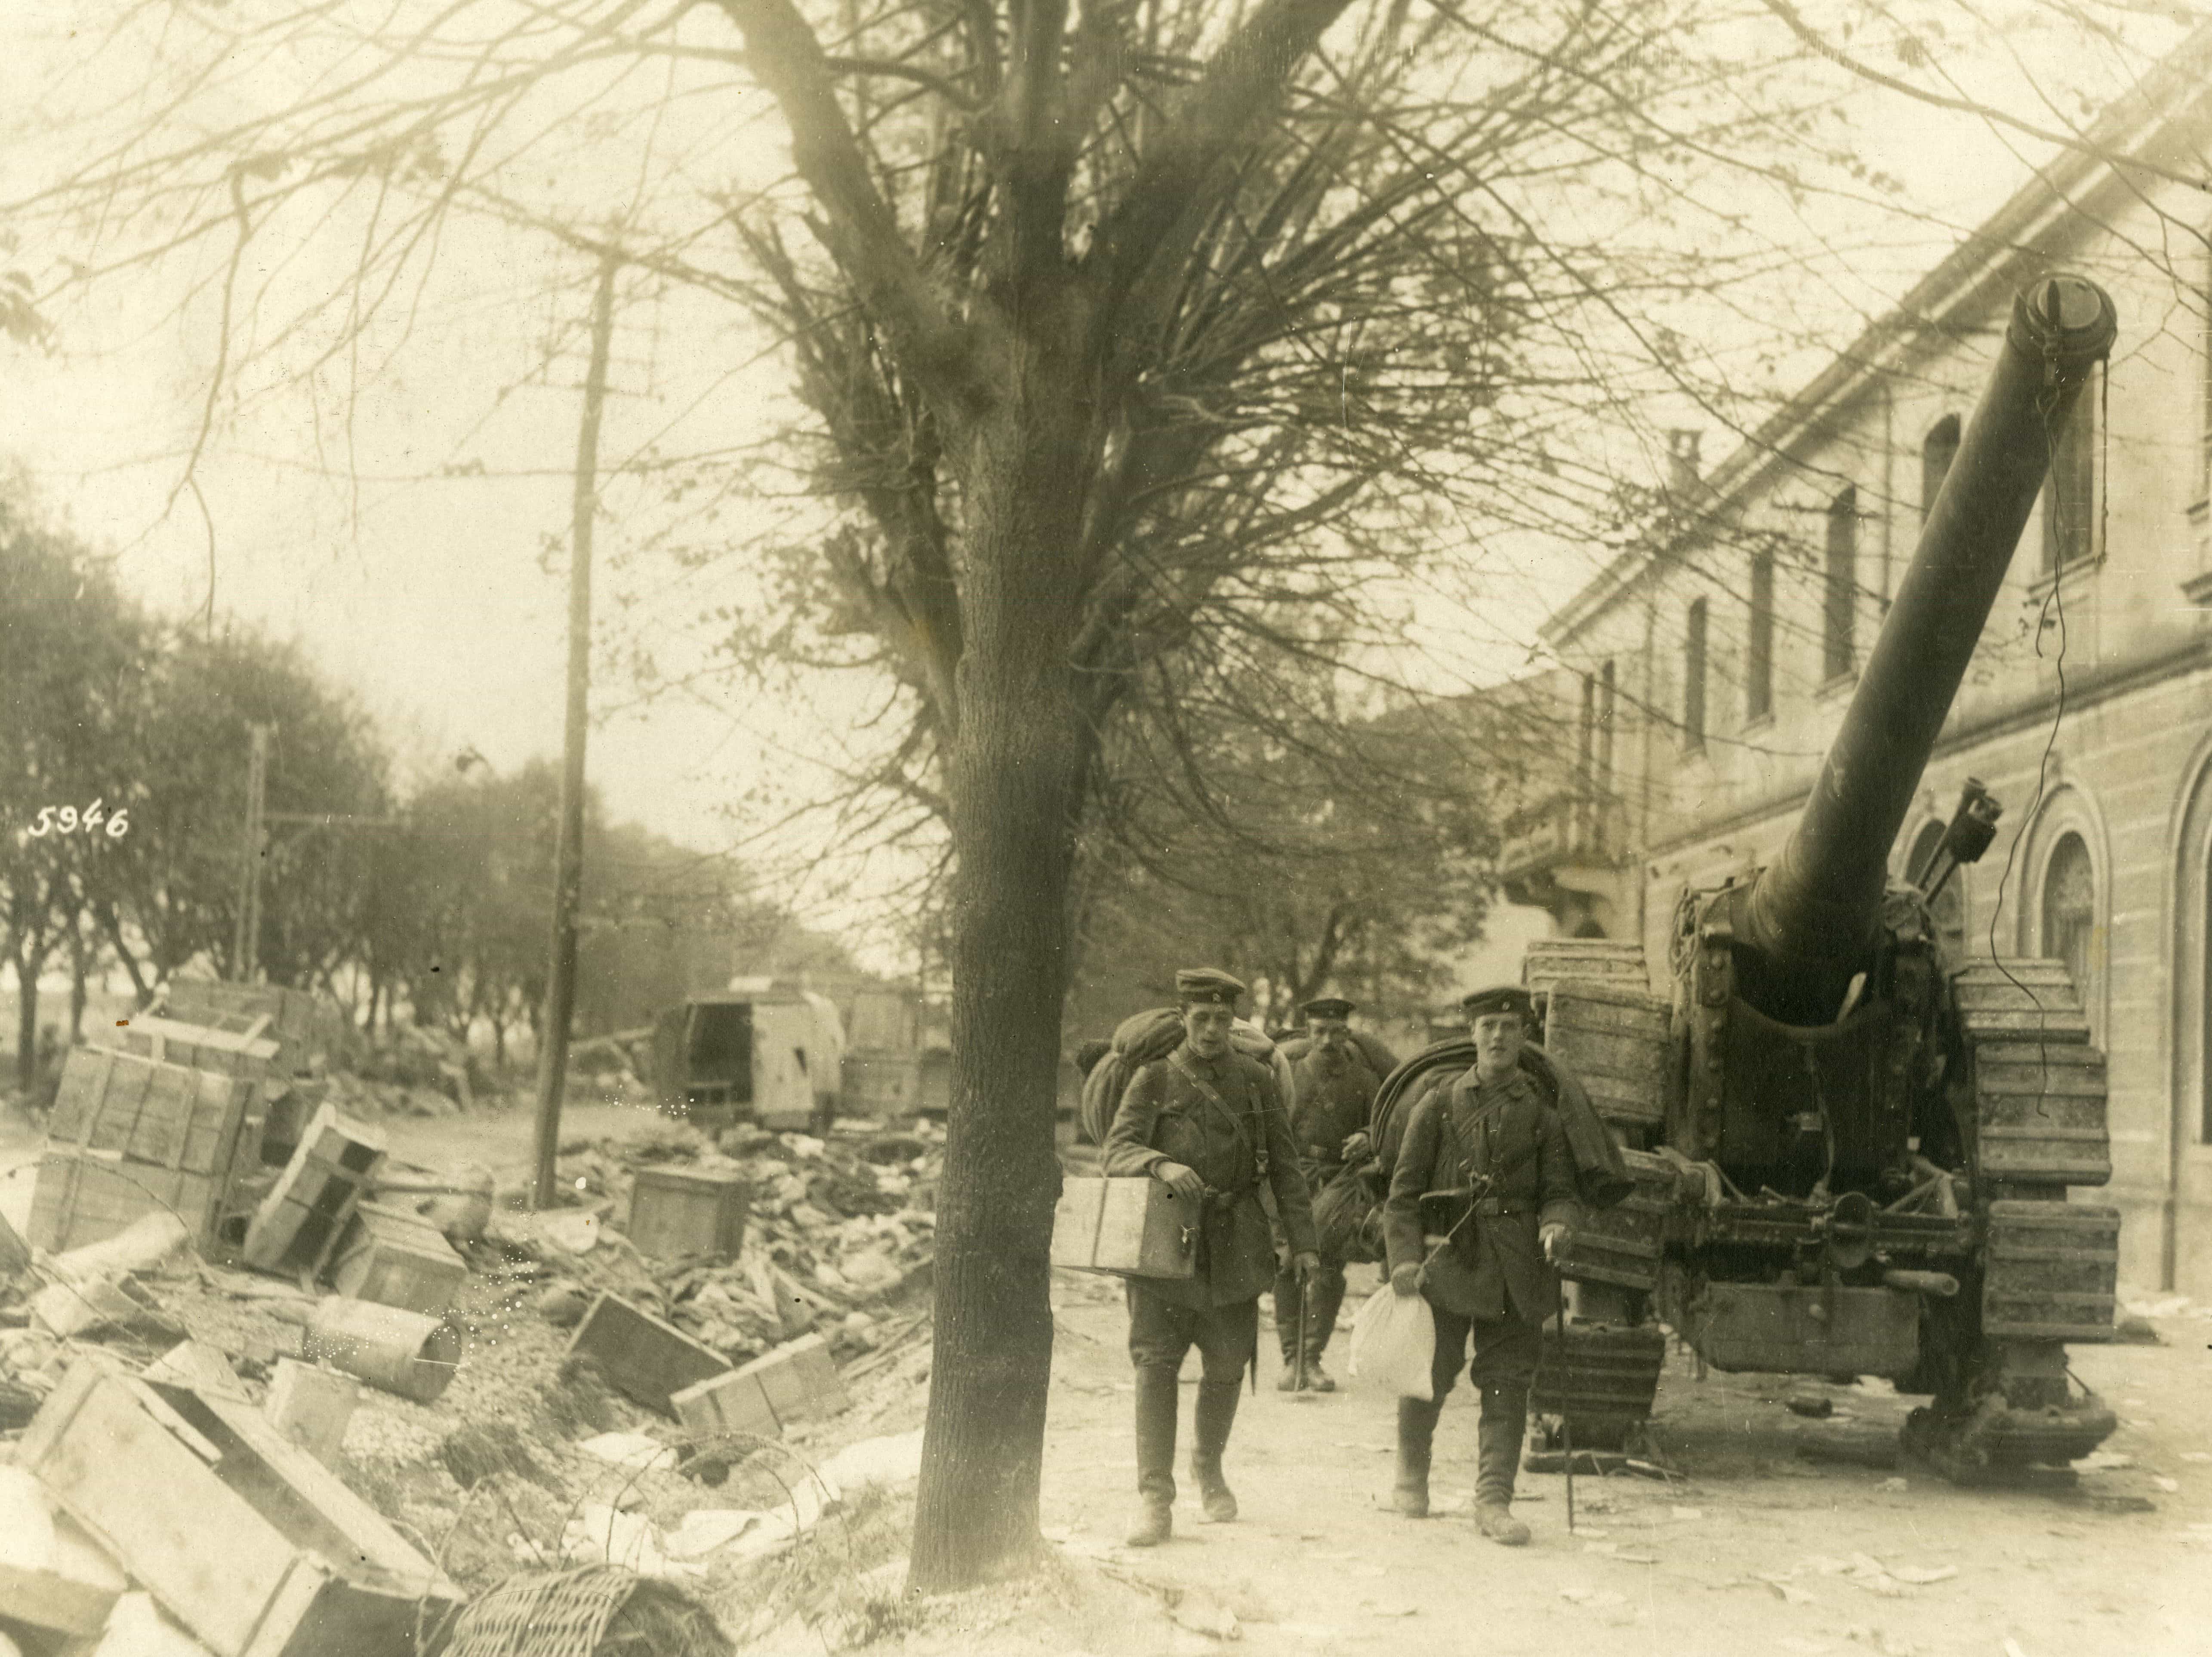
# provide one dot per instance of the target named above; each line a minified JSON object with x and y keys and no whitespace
{"x":299,"y":1223}
{"x":305,"y":1027}
{"x":131,"y":1134}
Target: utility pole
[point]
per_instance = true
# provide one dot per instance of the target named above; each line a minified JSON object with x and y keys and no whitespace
{"x":247,"y":941}
{"x":568,"y":854}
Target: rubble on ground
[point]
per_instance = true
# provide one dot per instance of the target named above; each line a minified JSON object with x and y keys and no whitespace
{"x":399,"y":1359}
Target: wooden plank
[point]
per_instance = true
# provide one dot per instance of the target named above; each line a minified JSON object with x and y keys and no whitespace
{"x":52,"y":1575}
{"x":646,"y":1358}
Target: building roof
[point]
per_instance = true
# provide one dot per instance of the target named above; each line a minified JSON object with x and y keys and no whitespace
{"x":2146,"y":130}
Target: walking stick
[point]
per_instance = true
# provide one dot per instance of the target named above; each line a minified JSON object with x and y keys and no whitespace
{"x":1305,"y":1300}
{"x":1566,"y":1421}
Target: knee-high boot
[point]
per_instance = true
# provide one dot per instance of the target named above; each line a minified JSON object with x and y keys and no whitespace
{"x":1417,"y":1431}
{"x":1216,"y":1414}
{"x":1504,"y":1421}
{"x":1158,"y":1400}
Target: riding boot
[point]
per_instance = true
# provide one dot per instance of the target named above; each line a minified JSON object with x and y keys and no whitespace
{"x":1288,"y":1294}
{"x":1216,"y":1413}
{"x":1320,"y":1323}
{"x":1158,"y":1400}
{"x":1416,"y":1430}
{"x":1505,"y":1420}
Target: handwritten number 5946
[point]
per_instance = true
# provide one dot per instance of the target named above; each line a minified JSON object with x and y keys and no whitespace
{"x":68,"y":820}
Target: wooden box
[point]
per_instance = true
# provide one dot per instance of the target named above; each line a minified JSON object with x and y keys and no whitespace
{"x":797,"y":1382}
{"x":687,"y":1210}
{"x":2053,"y":1271}
{"x":1131,"y":1227}
{"x":52,"y":1575}
{"x":172,"y":1040}
{"x":1614,"y":1038}
{"x":305,"y":1027}
{"x":397,"y":1258}
{"x":298,"y":1224}
{"x":642,"y":1357}
{"x":1787,"y":1329}
{"x":245,"y":1538}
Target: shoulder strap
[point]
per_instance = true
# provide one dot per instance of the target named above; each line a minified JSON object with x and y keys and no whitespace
{"x":1212,"y":1094}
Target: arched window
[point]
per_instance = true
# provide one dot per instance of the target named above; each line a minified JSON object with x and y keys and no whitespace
{"x":1841,"y":609}
{"x":1949,"y":912}
{"x":2069,"y":910}
{"x":1937,"y":451}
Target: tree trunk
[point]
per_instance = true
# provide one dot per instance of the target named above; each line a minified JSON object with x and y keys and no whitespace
{"x":112,"y":925}
{"x":27,"y":967}
{"x":1013,"y":769}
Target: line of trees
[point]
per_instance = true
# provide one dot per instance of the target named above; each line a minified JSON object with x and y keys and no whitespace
{"x":123,"y":772}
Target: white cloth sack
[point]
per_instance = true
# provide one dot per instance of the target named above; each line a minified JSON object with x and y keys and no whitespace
{"x":1393,"y":1340}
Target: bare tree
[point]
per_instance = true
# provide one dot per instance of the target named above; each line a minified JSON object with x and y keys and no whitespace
{"x":1142,"y":353}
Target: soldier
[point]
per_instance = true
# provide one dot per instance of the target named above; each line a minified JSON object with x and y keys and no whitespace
{"x":1481,"y":1197}
{"x":1332,"y":1090}
{"x":1206,"y":1120}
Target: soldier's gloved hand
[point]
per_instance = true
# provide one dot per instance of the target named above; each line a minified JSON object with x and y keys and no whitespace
{"x":1183,"y":1181}
{"x":1356,"y":1147}
{"x":1554,"y":1238}
{"x":1306,"y":1264}
{"x":1406,"y":1279}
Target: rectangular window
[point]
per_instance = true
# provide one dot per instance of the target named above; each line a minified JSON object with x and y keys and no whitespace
{"x":1839,"y":614}
{"x":1759,"y":655}
{"x":1693,"y":677}
{"x":2069,"y":493}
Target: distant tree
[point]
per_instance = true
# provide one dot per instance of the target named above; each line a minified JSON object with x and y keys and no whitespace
{"x":72,"y":653}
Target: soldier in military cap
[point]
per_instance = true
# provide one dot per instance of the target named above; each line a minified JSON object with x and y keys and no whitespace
{"x":1332,"y":1090}
{"x":1481,"y":1197}
{"x":1205,"y":1120}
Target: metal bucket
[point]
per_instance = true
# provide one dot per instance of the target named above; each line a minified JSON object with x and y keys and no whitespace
{"x":388,"y":1346}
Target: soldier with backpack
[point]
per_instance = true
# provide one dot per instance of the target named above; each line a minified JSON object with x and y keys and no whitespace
{"x":1482,"y":1193}
{"x":1205,"y":1120}
{"x":1333,"y":1081}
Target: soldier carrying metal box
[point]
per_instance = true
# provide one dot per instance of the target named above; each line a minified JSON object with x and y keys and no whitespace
{"x":1205,"y":1120}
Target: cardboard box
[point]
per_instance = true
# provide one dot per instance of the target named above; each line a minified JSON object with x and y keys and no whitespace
{"x":396,"y":1258}
{"x":649,"y":1360}
{"x":687,"y":1211}
{"x":1134,"y":1227}
{"x":245,"y":1538}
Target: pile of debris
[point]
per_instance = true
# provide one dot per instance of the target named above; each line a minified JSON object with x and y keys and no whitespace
{"x":229,"y":1333}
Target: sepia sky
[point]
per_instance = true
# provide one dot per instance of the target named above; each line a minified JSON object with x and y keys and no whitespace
{"x":398,"y":529}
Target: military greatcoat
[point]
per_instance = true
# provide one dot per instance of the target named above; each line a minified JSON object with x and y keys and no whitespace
{"x":1504,"y":1131}
{"x":1216,"y":1116}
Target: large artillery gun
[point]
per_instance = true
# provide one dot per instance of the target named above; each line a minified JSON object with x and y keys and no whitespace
{"x":1854,"y":1152}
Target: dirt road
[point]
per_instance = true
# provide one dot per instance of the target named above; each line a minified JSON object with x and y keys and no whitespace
{"x":1754,"y":1550}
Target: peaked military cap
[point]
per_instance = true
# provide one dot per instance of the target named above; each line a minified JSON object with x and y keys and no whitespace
{"x":1501,"y":997}
{"x":1328,"y":1006}
{"x":1207,"y":984}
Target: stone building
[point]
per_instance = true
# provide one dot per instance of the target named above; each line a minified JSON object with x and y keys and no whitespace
{"x":1711,"y":665}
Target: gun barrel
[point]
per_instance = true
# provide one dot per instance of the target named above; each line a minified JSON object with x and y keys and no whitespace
{"x":1820,"y":902}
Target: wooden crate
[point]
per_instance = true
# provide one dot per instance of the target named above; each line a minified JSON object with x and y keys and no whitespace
{"x":1131,"y":1227}
{"x":172,"y":1040}
{"x":397,"y":1258}
{"x":298,"y":1224}
{"x":87,"y":1196}
{"x":306,"y":1028}
{"x":797,"y":1382}
{"x":244,"y":1538}
{"x":687,"y":1211}
{"x":1614,"y":1038}
{"x":129,"y":1134}
{"x":649,"y":1360}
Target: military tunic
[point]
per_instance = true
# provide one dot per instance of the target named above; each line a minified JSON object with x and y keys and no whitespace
{"x":1166,"y":1116}
{"x":1503,"y":1130}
